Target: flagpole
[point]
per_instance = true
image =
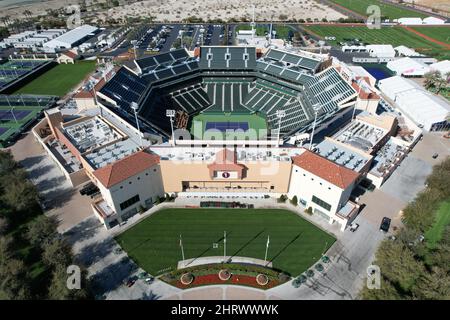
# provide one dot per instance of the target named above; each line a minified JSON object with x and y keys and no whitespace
{"x":267,"y":248}
{"x":224,"y":245}
{"x":182,"y":250}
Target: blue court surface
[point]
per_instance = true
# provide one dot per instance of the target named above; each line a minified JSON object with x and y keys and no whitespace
{"x":3,"y":130}
{"x":7,"y":114}
{"x":224,"y":126}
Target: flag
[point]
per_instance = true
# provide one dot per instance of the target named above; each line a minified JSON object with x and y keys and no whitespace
{"x":181,"y":244}
{"x":224,"y":237}
{"x":267,"y":245}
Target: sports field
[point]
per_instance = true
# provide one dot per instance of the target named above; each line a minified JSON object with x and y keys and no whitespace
{"x":295,"y":244}
{"x":439,"y":33}
{"x":387,"y":10}
{"x":59,"y":80}
{"x":256,"y":124}
{"x":387,"y":35}
{"x":8,"y":116}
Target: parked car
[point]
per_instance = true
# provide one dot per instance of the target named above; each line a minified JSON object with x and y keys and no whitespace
{"x":354,"y":226}
{"x":385,"y":224}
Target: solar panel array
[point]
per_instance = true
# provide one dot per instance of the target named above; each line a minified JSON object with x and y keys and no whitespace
{"x":290,"y":59}
{"x":124,"y":88}
{"x":227,"y":58}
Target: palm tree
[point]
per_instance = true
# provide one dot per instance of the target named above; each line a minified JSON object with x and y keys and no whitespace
{"x":431,"y":79}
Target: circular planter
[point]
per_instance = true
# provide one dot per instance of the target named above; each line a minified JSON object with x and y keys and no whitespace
{"x":224,"y":275}
{"x":187,"y":278}
{"x":310,"y":273}
{"x":302,"y":278}
{"x":319,"y":267}
{"x":262,"y":279}
{"x":325,"y":259}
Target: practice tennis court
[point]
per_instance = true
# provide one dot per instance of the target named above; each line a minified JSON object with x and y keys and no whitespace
{"x":13,"y":114}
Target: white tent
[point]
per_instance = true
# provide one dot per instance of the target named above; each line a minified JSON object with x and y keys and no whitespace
{"x":420,"y":105}
{"x":381,"y":50}
{"x":442,"y":66}
{"x":407,"y":52}
{"x":408,"y":67}
{"x":409,"y":21}
{"x":433,"y":20}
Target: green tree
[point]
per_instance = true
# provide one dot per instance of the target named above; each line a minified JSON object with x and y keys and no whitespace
{"x":42,"y":230}
{"x":14,"y":280}
{"x":294,"y":200}
{"x":386,"y":292}
{"x":57,"y":253}
{"x":58,"y":287}
{"x":434,"y":285}
{"x":398,"y":264}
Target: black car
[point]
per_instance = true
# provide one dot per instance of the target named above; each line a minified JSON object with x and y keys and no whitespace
{"x":385,"y":224}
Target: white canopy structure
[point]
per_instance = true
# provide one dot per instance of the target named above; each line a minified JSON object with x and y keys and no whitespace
{"x":381,"y":50}
{"x":442,"y":66}
{"x":408,"y":67}
{"x":423,"y":107}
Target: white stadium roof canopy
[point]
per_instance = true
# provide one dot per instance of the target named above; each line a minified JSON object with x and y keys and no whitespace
{"x":407,"y":67}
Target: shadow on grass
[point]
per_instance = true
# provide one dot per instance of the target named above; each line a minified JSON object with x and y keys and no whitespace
{"x":284,"y":248}
{"x":247,"y":243}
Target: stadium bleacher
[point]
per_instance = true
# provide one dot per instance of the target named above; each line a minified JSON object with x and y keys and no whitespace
{"x":230,"y":80}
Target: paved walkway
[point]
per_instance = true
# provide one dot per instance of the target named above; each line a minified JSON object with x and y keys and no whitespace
{"x":220,"y":259}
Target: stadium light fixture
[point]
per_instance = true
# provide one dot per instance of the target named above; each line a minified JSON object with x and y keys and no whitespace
{"x":316,"y":111}
{"x":280,"y":114}
{"x":135,"y":107}
{"x":171,"y":114}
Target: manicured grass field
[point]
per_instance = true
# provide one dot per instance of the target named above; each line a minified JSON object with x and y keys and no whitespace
{"x":282,"y":32}
{"x":255,"y":122}
{"x":438,"y":33}
{"x":386,"y":35}
{"x":434,"y":234}
{"x":59,"y":80}
{"x":295,"y":244}
{"x":387,"y":10}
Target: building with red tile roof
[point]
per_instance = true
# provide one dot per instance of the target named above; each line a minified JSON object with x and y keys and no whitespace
{"x":334,"y":173}
{"x":125,"y":168}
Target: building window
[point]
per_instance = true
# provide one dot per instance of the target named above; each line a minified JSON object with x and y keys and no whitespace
{"x":129,"y":182}
{"x":227,"y":56}
{"x":329,"y":188}
{"x":129,"y":202}
{"x":121,"y":187}
{"x":296,"y":170}
{"x":321,"y":203}
{"x":320,"y":183}
{"x":209,"y":56}
{"x":139,"y":178}
{"x":154,"y":170}
{"x":246,"y":56}
{"x":304,"y":175}
{"x":146,"y":173}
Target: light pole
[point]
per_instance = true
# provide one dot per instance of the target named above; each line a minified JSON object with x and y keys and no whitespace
{"x":280,"y":114}
{"x":314,"y":127}
{"x":135,"y":107}
{"x":12,"y":110}
{"x":171,"y":115}
{"x":354,"y":108}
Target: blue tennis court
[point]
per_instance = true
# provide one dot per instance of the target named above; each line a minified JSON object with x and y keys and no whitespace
{"x":7,"y":114}
{"x":3,"y":130}
{"x":224,"y":126}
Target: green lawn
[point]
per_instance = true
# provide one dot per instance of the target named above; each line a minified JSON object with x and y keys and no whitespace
{"x":282,"y":32}
{"x":434,"y":234}
{"x":438,"y":33}
{"x":387,"y":10}
{"x":386,"y":35}
{"x":295,"y":244}
{"x":59,"y":80}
